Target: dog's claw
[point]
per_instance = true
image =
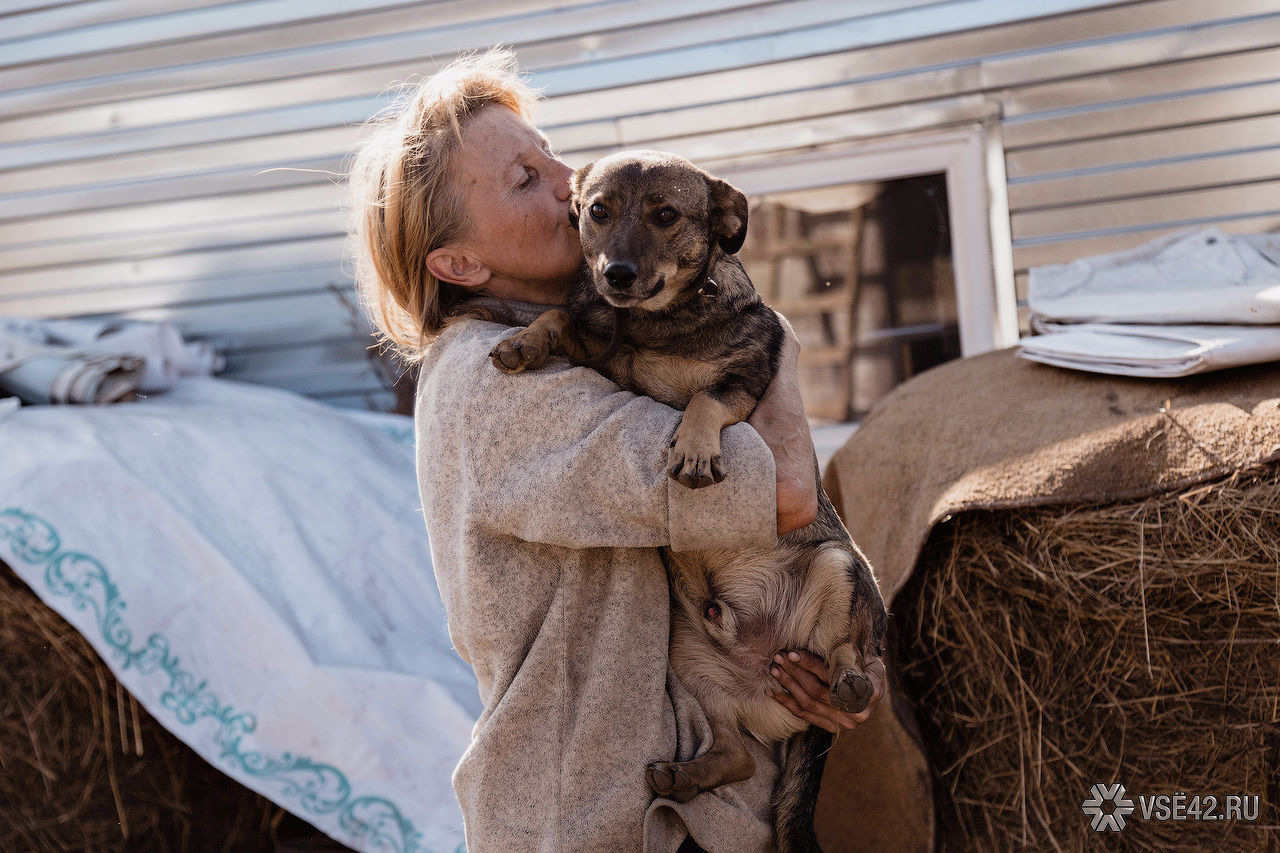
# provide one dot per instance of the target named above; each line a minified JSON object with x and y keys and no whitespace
{"x":669,"y":779}
{"x":696,"y":472}
{"x":852,"y":692}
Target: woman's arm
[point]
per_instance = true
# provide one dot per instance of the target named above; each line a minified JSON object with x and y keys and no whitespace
{"x":780,"y":420}
{"x":562,"y":456}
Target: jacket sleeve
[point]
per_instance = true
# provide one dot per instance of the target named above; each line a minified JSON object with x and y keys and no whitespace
{"x":563,"y":456}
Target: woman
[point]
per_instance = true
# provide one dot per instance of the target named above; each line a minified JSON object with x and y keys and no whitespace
{"x":546,"y":496}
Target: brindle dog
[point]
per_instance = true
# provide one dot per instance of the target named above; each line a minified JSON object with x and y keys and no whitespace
{"x":665,"y":309}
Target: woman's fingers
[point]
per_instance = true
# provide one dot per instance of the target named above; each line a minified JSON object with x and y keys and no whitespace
{"x":809,"y":661}
{"x":812,"y":683}
{"x":790,"y":704}
{"x":809,"y":696}
{"x":803,"y":675}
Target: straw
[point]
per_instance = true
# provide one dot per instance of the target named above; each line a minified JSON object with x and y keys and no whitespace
{"x":1050,"y":649}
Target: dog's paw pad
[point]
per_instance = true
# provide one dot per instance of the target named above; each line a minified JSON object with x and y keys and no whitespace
{"x":852,"y":692}
{"x":669,"y":779}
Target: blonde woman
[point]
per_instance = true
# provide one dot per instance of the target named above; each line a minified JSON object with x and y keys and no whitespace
{"x":546,"y":496}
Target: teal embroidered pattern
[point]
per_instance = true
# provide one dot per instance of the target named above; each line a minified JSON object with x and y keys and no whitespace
{"x":318,"y":788}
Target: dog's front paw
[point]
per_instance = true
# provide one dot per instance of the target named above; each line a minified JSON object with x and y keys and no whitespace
{"x":694,"y":461}
{"x":670,"y":779}
{"x":527,"y":349}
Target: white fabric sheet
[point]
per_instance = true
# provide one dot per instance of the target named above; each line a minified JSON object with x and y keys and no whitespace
{"x":255,"y":568}
{"x":1152,"y":351}
{"x":96,"y":361}
{"x":1200,"y":276}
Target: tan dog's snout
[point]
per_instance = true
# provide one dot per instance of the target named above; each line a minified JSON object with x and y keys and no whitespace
{"x":620,"y":274}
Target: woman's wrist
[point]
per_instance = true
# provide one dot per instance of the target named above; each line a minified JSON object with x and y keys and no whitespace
{"x":781,"y":421}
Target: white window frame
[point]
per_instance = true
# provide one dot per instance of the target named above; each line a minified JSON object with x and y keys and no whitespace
{"x":972,"y":158}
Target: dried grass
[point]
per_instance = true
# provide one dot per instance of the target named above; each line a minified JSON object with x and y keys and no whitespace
{"x":83,"y":767}
{"x":1049,"y":649}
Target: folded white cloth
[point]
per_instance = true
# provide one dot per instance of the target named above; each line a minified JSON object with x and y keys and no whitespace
{"x":1198,"y":276}
{"x":1151,"y":351}
{"x":95,"y":361}
{"x":255,"y":569}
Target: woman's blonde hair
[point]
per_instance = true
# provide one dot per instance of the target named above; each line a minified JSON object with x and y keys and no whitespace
{"x":404,"y":205}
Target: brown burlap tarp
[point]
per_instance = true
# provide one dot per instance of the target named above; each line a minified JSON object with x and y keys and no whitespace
{"x":996,"y":432}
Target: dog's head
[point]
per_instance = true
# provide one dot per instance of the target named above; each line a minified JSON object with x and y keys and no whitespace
{"x":649,"y":222}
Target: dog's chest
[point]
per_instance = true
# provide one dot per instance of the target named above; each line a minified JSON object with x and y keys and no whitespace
{"x":669,"y":379}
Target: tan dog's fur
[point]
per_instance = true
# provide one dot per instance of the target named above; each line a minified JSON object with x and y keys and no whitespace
{"x":688,"y":329}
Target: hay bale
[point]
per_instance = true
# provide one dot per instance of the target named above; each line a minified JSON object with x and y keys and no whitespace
{"x":1049,"y":649}
{"x":83,"y":767}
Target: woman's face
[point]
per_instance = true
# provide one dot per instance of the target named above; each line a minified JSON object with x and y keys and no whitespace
{"x":517,"y":198}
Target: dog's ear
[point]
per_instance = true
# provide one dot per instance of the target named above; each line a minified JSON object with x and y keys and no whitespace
{"x":728,"y":214}
{"x":575,"y":189}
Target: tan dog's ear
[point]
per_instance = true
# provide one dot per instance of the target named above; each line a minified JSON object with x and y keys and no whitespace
{"x":728,"y":214}
{"x":575,"y":187}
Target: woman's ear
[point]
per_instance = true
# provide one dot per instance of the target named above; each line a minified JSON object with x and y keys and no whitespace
{"x":457,"y":266}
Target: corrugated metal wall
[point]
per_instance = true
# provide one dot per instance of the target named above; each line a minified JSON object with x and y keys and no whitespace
{"x":138,"y":139}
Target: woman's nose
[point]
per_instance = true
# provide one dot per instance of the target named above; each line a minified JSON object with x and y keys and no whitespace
{"x":561,"y":181}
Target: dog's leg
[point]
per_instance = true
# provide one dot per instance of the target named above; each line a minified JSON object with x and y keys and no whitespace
{"x":529,"y":348}
{"x":796,"y":793}
{"x":727,"y":761}
{"x":695,"y":451}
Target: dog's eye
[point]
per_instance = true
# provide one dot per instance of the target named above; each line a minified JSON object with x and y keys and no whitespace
{"x":666,"y":215}
{"x":598,"y":212}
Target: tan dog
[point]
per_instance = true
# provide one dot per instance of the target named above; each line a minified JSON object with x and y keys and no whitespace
{"x":665,"y":309}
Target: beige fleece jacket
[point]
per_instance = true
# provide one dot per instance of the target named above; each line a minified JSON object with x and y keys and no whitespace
{"x":546,"y":498}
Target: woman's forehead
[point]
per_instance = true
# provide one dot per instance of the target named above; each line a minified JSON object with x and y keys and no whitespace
{"x":496,"y":125}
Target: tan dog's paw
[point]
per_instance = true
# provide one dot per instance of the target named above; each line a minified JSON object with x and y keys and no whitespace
{"x":669,"y":779}
{"x":694,"y":460}
{"x":527,"y":349}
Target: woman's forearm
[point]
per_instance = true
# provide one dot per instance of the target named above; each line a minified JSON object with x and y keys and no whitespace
{"x":780,"y":420}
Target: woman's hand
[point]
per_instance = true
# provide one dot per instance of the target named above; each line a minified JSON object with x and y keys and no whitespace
{"x":808,"y":695}
{"x":780,"y":420}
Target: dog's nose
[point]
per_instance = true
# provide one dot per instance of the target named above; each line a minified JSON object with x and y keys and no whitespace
{"x":620,"y":274}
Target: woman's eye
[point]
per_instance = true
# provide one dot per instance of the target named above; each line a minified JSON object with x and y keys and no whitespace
{"x":666,"y":216}
{"x":598,"y":212}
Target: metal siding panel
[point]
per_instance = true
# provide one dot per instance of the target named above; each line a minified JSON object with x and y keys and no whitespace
{"x":554,"y":37}
{"x":75,"y":15}
{"x":1089,"y":94}
{"x":239,"y":46}
{"x":50,"y":302}
{"x":711,"y":148}
{"x":751,"y":51}
{"x":183,"y":25}
{"x":212,"y":266}
{"x":1145,"y":147}
{"x":1192,"y":207}
{"x":1181,"y":174}
{"x":1246,"y":98}
{"x":149,"y":190}
{"x":247,"y":231}
{"x":1191,"y":34}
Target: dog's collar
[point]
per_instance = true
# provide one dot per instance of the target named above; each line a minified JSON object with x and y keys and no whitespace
{"x":707,"y":287}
